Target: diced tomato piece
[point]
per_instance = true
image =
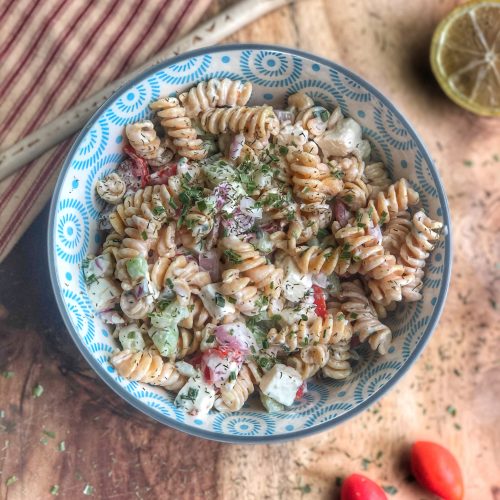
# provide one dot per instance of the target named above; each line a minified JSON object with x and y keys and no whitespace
{"x":319,"y":301}
{"x":301,"y":390}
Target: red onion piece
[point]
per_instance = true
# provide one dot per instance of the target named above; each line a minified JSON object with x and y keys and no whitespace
{"x":238,"y":224}
{"x":247,"y":207}
{"x":111,"y":317}
{"x":236,"y":336}
{"x":161,"y":176}
{"x":320,"y":279}
{"x":221,"y":193}
{"x":236,"y":146}
{"x":210,"y":262}
{"x":217,"y":364}
{"x":340,"y":212}
{"x":141,"y":289}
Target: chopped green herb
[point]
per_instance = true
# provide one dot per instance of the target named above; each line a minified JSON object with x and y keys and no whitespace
{"x":458,"y":427}
{"x":202,"y":205}
{"x":379,"y":455}
{"x":392,"y":490}
{"x":304,"y":489}
{"x":191,"y":394}
{"x":303,"y":317}
{"x":49,"y":433}
{"x":496,"y":157}
{"x":233,"y":257}
{"x":354,"y":315}
{"x":62,"y":446}
{"x":8,"y":374}
{"x":11,"y":480}
{"x":322,"y":233}
{"x":451,"y":410}
{"x":365,"y":463}
{"x":265,"y":344}
{"x":37,"y":391}
{"x":232,"y":376}
{"x":144,"y":235}
{"x":158,"y":210}
{"x":54,"y":490}
{"x":172,"y":203}
{"x":88,"y":490}
{"x":210,"y":339}
{"x":494,"y":304}
{"x":44,"y":441}
{"x":232,"y":300}
{"x":220,"y":300}
{"x":170,"y":283}
{"x":468,"y":163}
{"x":338,"y":481}
{"x":92,"y":278}
{"x":348,"y":198}
{"x":383,"y":217}
{"x":283,"y":150}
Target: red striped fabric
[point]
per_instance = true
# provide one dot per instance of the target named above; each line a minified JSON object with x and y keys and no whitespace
{"x":53,"y":53}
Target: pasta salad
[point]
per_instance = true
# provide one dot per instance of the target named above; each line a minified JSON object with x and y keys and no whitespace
{"x":251,"y":248}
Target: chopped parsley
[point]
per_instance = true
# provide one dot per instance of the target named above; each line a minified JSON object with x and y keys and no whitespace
{"x":210,"y":339}
{"x":220,"y":300}
{"x":158,"y":210}
{"x":144,"y":235}
{"x":232,"y":376}
{"x":283,"y":150}
{"x":170,"y":283}
{"x":54,"y":490}
{"x":383,"y":217}
{"x":92,"y":278}
{"x":348,"y":198}
{"x":451,"y":410}
{"x":7,"y":374}
{"x":233,"y":257}
{"x":191,"y":394}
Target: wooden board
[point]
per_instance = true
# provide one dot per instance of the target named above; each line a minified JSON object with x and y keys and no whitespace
{"x":122,"y":454}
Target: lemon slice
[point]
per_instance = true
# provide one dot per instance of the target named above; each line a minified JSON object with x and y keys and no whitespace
{"x":465,"y":56}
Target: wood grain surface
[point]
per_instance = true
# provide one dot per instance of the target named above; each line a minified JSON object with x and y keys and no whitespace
{"x":451,"y":395}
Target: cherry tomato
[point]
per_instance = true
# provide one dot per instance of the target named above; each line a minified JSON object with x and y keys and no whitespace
{"x":358,"y":487}
{"x":437,"y":470}
{"x":319,"y":301}
{"x":139,"y":165}
{"x":301,"y":390}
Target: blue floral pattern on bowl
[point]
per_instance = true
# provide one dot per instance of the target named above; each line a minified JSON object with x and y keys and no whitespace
{"x":275,"y":73}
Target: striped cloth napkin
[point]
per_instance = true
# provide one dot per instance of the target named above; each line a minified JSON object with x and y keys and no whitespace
{"x":53,"y":53}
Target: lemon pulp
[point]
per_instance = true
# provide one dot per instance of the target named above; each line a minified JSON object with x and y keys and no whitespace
{"x":465,"y":56}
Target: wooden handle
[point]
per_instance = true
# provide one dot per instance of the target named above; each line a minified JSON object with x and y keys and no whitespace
{"x":72,"y":120}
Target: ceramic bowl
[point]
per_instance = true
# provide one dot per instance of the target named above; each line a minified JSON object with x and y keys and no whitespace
{"x":275,"y":73}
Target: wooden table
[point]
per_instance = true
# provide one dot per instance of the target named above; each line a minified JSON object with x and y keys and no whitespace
{"x":451,"y":395}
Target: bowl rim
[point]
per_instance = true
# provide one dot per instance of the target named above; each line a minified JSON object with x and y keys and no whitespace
{"x":200,"y":432}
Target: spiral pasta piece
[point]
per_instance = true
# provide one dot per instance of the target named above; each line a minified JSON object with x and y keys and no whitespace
{"x":332,"y":329}
{"x":349,"y":168}
{"x":233,"y":399}
{"x":255,"y":123}
{"x":311,"y":179}
{"x":338,"y":366}
{"x":247,"y":297}
{"x":305,"y":370}
{"x":290,"y":337}
{"x":179,"y":128}
{"x":135,"y":308}
{"x":387,"y":204}
{"x":313,"y":259}
{"x":148,"y":367}
{"x":111,"y":189}
{"x":198,"y":317}
{"x":314,"y":119}
{"x":416,"y":250}
{"x":395,"y":232}
{"x":355,"y":193}
{"x":143,"y":138}
{"x":165,"y":245}
{"x":215,"y":93}
{"x":378,"y":177}
{"x":315,"y":355}
{"x":243,"y":256}
{"x":188,"y":343}
{"x":358,"y":310}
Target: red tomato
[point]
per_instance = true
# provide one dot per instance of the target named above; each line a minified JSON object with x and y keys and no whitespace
{"x":140,"y":165}
{"x":301,"y":390}
{"x":358,"y":487}
{"x":437,"y":470}
{"x":319,"y":300}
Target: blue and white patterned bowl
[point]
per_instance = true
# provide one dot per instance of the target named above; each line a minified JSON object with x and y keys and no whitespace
{"x":275,"y":73}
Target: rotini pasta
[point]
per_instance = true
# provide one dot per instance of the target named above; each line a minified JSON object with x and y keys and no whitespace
{"x":255,"y":255}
